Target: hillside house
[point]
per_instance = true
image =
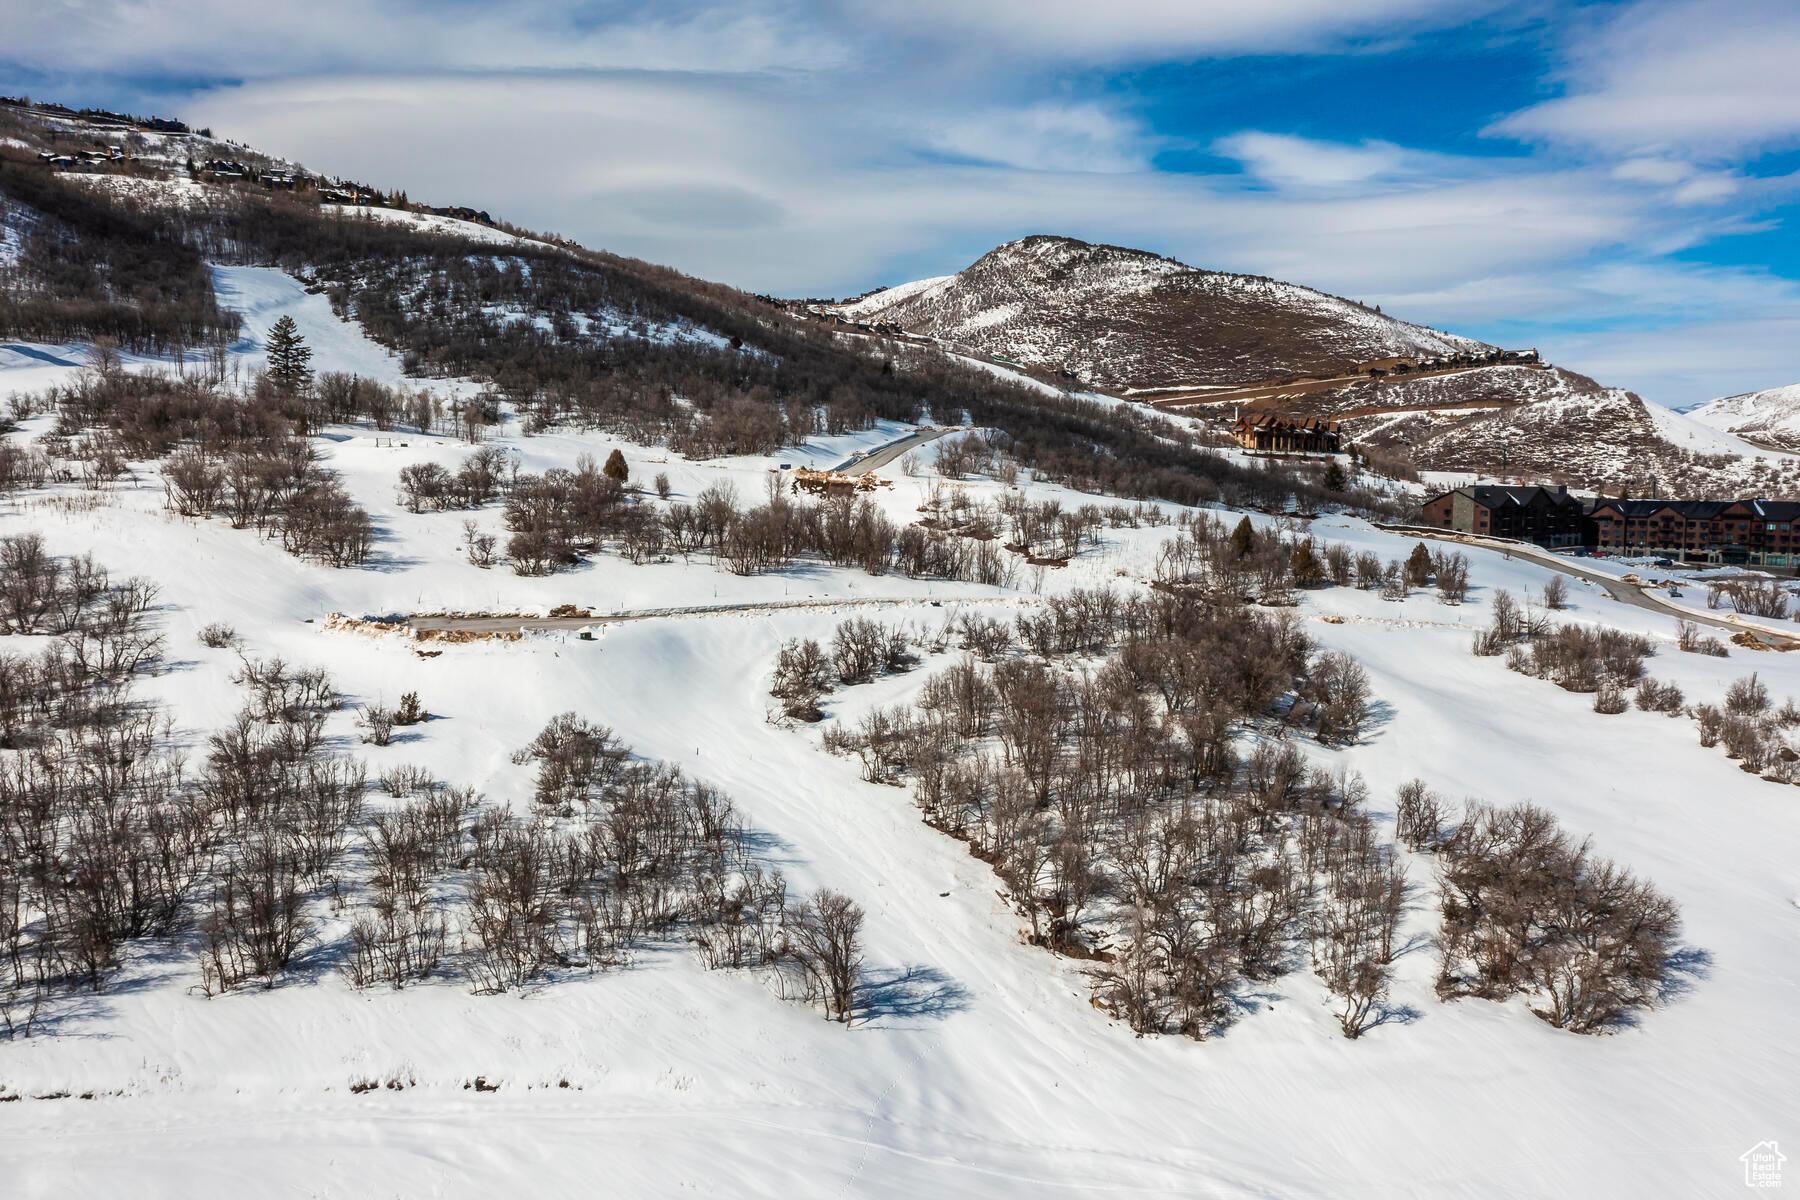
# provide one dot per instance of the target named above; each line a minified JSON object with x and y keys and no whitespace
{"x":1763,"y":532}
{"x":1271,"y":433}
{"x":1546,"y":516}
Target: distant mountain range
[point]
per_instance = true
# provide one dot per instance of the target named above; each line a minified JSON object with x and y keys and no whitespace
{"x":1149,"y":328}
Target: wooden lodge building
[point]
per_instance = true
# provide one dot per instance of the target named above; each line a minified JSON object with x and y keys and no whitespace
{"x":1547,"y":516}
{"x":1270,"y":433}
{"x":1763,"y":532}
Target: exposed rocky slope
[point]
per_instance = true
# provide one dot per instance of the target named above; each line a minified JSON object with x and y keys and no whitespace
{"x":1129,"y":319}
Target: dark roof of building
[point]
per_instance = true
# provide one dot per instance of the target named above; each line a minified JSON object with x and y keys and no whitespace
{"x":1508,"y":495}
{"x":1268,"y":420}
{"x":1707,"y":510}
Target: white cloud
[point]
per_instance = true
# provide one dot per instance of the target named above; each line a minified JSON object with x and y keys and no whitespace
{"x":1307,"y":162}
{"x":732,"y":180}
{"x":232,"y":39}
{"x":1711,"y":79}
{"x":1654,"y":170}
{"x":1080,"y":30}
{"x":1048,"y":137}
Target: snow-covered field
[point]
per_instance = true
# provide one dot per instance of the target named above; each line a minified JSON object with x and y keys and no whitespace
{"x":982,"y":1068}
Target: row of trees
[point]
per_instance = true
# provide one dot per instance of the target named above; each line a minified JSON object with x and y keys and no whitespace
{"x":561,"y":516}
{"x":241,"y":456}
{"x":98,"y":263}
{"x":1237,"y":562}
{"x":276,"y":845}
{"x":95,"y":824}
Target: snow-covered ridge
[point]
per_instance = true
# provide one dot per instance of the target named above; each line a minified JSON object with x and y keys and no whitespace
{"x":886,"y":298}
{"x":1771,"y":416}
{"x":432,"y":223}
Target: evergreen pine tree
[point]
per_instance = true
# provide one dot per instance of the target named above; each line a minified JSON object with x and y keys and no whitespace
{"x":1243,"y":538}
{"x":1418,"y":565}
{"x":1308,"y":570}
{"x":289,"y":355}
{"x":615,"y":467}
{"x":1335,"y":479}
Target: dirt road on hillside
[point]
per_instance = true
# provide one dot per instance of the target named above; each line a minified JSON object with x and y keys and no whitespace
{"x":1253,"y":394}
{"x":476,"y":623}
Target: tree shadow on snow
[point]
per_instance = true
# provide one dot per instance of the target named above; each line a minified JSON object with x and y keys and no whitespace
{"x":382,"y":557}
{"x":1397,"y":1014}
{"x":42,"y":356}
{"x":911,"y":991}
{"x":1415,"y":943}
{"x":1380,"y":716}
{"x":1683,"y":973}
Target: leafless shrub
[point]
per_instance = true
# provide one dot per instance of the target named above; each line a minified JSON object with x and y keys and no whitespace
{"x":1747,"y":697}
{"x":1610,"y":698}
{"x":1556,"y":593}
{"x":1652,"y":696}
{"x":803,"y":674}
{"x":824,"y":943}
{"x":257,"y":922}
{"x":480,"y":546}
{"x":1419,"y":816}
{"x":410,"y":711}
{"x":396,"y":944}
{"x":1529,"y":909}
{"x":1690,"y":639}
{"x":377,"y":724}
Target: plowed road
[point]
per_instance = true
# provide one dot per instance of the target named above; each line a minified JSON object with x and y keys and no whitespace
{"x":889,"y":452}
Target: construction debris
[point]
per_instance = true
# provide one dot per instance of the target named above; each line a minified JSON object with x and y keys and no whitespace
{"x":826,"y":483}
{"x":338,"y":622}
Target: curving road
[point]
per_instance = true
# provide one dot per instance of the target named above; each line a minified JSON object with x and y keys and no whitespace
{"x":884,"y":455}
{"x":1619,"y":590}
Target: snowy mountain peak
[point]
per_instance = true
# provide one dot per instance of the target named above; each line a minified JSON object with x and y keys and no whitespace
{"x":1131,"y":318}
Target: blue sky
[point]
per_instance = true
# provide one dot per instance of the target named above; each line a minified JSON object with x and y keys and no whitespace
{"x":1616,"y":183}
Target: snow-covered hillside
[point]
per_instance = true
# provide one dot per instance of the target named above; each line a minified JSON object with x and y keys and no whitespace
{"x":980,"y":1067}
{"x":1768,"y":418}
{"x":1126,"y":318}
